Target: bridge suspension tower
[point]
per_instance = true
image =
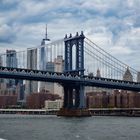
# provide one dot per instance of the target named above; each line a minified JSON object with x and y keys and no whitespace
{"x":74,"y":98}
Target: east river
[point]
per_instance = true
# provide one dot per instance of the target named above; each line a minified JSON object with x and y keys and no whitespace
{"x":29,"y":127}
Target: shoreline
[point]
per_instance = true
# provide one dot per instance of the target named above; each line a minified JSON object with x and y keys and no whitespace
{"x":130,"y":112}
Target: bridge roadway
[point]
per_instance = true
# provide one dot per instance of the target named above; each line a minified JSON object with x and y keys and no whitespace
{"x":48,"y":76}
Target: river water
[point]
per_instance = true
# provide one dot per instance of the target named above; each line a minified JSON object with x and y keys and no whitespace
{"x":29,"y":127}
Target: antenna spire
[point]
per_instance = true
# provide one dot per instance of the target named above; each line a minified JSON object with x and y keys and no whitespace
{"x":46,"y":32}
{"x":46,"y":36}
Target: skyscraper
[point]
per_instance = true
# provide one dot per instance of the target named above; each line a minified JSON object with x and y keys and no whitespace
{"x":98,"y":73}
{"x":58,"y":67}
{"x":43,"y":59}
{"x":11,"y":61}
{"x":42,"y":63}
{"x":127,"y":75}
{"x":138,"y":77}
{"x":11,"y":58}
{"x":0,"y":61}
{"x":20,"y":90}
{"x":31,"y":86}
{"x":49,"y":86}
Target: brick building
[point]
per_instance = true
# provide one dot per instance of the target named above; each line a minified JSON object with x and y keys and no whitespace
{"x":115,"y":99}
{"x":7,"y":101}
{"x":37,"y":100}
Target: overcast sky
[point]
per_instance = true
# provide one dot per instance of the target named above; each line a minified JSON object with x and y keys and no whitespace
{"x":112,"y":24}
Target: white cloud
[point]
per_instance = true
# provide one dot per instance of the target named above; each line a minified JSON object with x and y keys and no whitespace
{"x":120,"y":50}
{"x":7,"y":34}
{"x":110,"y":24}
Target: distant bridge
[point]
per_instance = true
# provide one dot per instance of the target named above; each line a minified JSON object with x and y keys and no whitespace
{"x":77,"y":74}
{"x":58,"y":77}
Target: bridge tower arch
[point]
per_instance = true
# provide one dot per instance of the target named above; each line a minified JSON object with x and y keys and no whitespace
{"x":74,"y":98}
{"x":71,"y":42}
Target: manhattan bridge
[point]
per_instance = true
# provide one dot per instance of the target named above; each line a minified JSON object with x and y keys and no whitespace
{"x":85,"y":64}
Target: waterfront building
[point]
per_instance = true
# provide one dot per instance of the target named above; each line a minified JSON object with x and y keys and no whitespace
{"x":97,"y":99}
{"x":8,"y":100}
{"x":31,"y":86}
{"x":116,"y":99}
{"x":57,"y":104}
{"x":37,"y":100}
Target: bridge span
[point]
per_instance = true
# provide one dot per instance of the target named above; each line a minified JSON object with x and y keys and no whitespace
{"x":73,"y":77}
{"x":61,"y":78}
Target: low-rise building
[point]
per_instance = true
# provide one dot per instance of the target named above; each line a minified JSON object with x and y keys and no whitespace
{"x":57,"y":104}
{"x":37,"y":100}
{"x":116,"y":99}
{"x":6,"y":101}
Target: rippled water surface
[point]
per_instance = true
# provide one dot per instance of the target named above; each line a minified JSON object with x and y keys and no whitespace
{"x":29,"y":127}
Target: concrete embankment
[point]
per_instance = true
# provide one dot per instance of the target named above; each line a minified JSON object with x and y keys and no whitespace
{"x":134,"y":112}
{"x":29,"y":111}
{"x":115,"y":112}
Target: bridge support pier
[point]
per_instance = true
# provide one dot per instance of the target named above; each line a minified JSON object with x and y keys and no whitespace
{"x":74,"y":102}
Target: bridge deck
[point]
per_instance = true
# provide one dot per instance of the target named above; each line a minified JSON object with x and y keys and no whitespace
{"x":47,"y":76}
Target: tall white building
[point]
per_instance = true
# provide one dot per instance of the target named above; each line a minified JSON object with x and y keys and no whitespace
{"x":42,"y":58}
{"x":31,"y":86}
{"x":11,"y":61}
{"x":57,"y":66}
{"x":42,"y":63}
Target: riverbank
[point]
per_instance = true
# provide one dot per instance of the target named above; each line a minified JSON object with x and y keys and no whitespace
{"x":29,"y":111}
{"x":133,"y":112}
